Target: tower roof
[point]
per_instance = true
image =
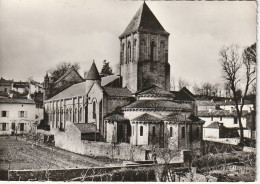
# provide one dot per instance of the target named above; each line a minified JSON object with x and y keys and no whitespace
{"x":144,"y":20}
{"x":93,"y":73}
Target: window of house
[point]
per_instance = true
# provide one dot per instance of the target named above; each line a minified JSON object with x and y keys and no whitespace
{"x":80,"y":114}
{"x":4,"y":114}
{"x":170,"y":131}
{"x":153,"y":130}
{"x":235,"y":120}
{"x":183,"y":132}
{"x":61,"y":116}
{"x":76,"y":115}
{"x":134,"y":51}
{"x":141,"y":130}
{"x":220,"y":118}
{"x":4,"y":126}
{"x":22,"y":114}
{"x":129,"y":52}
{"x":94,"y":110}
{"x":211,"y":118}
{"x":152,"y":50}
{"x":198,"y":131}
{"x":22,"y":127}
{"x":67,"y":115}
{"x":57,"y":116}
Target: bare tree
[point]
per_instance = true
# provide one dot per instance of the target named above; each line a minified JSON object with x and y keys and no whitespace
{"x":182,"y":83}
{"x":239,"y":69}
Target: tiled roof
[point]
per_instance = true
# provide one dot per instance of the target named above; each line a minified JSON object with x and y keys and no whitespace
{"x":78,"y":89}
{"x":93,"y":73}
{"x":182,"y":96}
{"x":86,"y":127}
{"x":147,"y":117}
{"x":144,"y":20}
{"x":219,"y":113}
{"x":205,"y":103}
{"x":108,"y":79}
{"x":180,"y":117}
{"x":233,"y":103}
{"x":16,"y":101}
{"x":155,"y":90}
{"x":116,"y":117}
{"x":117,"y":92}
{"x":159,"y":104}
{"x":213,"y":125}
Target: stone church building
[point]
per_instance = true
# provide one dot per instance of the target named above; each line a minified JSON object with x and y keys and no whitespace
{"x":136,"y":106}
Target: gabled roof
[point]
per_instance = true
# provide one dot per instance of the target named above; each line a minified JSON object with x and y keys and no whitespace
{"x":108,"y":79}
{"x":213,"y":125}
{"x":182,"y":96}
{"x":154,"y":91}
{"x":68,"y":72}
{"x":93,"y":73}
{"x":117,"y":92}
{"x":147,"y":117}
{"x":116,"y":117}
{"x":86,"y":127}
{"x":78,"y":89}
{"x":144,"y":20}
{"x":16,"y":101}
{"x":176,"y":117}
{"x":158,"y":104}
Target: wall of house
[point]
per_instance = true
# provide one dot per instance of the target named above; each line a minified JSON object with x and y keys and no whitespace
{"x":30,"y":112}
{"x":111,"y":131}
{"x":211,"y":133}
{"x":246,"y":107}
{"x":172,"y":140}
{"x":227,"y":121}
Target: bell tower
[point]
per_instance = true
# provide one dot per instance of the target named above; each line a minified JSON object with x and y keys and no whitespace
{"x":144,"y":52}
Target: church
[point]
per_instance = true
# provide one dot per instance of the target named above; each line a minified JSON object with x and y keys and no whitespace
{"x":135,"y":107}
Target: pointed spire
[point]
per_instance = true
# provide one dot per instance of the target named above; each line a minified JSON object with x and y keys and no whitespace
{"x":144,"y":20}
{"x":93,"y":73}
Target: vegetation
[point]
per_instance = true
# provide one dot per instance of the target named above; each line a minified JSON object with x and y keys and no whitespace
{"x":106,"y":69}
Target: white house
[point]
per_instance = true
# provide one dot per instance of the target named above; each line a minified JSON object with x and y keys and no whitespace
{"x":230,"y":106}
{"x":18,"y":116}
{"x":226,"y":118}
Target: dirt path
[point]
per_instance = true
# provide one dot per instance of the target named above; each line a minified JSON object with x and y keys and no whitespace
{"x":22,"y":155}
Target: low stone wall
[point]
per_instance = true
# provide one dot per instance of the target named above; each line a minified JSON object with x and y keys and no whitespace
{"x":122,"y":151}
{"x":72,"y":174}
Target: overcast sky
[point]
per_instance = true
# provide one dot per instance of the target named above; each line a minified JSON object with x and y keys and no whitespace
{"x":35,"y":35}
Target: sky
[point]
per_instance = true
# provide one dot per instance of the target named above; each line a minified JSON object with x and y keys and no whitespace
{"x":35,"y":35}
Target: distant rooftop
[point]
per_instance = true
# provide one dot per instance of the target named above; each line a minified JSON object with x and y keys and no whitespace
{"x":16,"y":101}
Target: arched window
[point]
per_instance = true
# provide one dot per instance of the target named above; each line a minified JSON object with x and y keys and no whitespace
{"x":70,"y":115}
{"x":134,"y":51}
{"x":153,"y":130}
{"x":76,"y":115}
{"x":67,"y":115}
{"x":183,"y":132}
{"x":80,"y":114}
{"x":152,"y":51}
{"x":94,"y":110}
{"x":129,"y":52}
{"x":133,"y":130}
{"x":61,"y":115}
{"x":123,"y":53}
{"x":141,"y":130}
{"x":143,"y":46}
{"x":57,"y":115}
{"x":170,"y":131}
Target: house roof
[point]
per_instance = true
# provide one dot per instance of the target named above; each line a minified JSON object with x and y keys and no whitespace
{"x":117,"y":92}
{"x":220,"y":113}
{"x":86,"y":127}
{"x":147,"y":117}
{"x":180,"y":117}
{"x":4,"y":82}
{"x":233,"y":103}
{"x":16,"y":101}
{"x":78,"y":89}
{"x":21,"y":84}
{"x":144,"y":20}
{"x":116,"y":117}
{"x":182,"y":96}
{"x":159,"y":104}
{"x":205,"y":103}
{"x":68,"y":72}
{"x":213,"y":125}
{"x":93,"y":73}
{"x":154,"y":91}
{"x":108,"y":79}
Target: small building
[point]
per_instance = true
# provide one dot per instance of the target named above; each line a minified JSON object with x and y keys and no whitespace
{"x":5,"y":86}
{"x":18,"y":116}
{"x":231,"y":106}
{"x":205,"y":105}
{"x":218,"y":130}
